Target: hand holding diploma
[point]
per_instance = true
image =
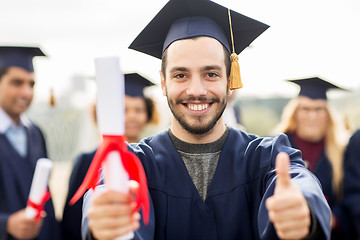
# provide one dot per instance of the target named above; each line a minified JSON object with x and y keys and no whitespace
{"x":288,"y":208}
{"x":115,"y":206}
{"x":26,"y":223}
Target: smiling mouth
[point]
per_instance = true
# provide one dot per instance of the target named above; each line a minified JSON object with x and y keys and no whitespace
{"x":197,"y":107}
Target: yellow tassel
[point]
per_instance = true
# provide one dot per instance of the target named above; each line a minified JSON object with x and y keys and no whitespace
{"x":52,"y":98}
{"x":235,"y":78}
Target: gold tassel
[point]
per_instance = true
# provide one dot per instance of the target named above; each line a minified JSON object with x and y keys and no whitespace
{"x":52,"y":98}
{"x":235,"y":78}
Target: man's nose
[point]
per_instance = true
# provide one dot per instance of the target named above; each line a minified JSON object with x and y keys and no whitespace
{"x":196,"y":87}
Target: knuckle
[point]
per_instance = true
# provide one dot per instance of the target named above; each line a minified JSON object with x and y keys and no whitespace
{"x":272,"y":216}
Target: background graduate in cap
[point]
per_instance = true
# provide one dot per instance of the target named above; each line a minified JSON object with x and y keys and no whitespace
{"x":208,"y":181}
{"x":21,"y":145}
{"x":313,"y":127}
{"x":139,"y":112}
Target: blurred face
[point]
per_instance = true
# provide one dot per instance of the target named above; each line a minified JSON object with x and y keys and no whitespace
{"x":135,"y":117}
{"x":195,"y":84}
{"x":16,"y":91}
{"x":312,"y":119}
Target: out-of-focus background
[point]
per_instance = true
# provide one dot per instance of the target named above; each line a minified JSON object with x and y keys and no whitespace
{"x":306,"y":38}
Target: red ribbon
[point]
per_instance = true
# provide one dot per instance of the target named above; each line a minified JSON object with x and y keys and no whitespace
{"x":131,"y":164}
{"x":39,"y":207}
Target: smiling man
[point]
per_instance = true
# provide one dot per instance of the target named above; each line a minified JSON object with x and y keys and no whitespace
{"x":21,"y":145}
{"x":206,"y":180}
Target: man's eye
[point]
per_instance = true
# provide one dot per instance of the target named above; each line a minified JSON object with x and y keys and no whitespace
{"x":180,"y":75}
{"x":212,"y":75}
{"x":16,"y":83}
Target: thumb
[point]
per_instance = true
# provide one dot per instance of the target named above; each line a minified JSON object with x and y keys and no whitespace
{"x":282,"y":169}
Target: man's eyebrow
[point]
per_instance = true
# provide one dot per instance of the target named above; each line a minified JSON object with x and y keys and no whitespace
{"x":211,"y":67}
{"x":180,"y":69}
{"x":16,"y":80}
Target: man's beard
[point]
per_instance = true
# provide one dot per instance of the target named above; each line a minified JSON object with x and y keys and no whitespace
{"x":202,"y":128}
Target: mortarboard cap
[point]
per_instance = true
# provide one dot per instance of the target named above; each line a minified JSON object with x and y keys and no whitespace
{"x":19,"y":57}
{"x":135,"y":84}
{"x":197,"y":18}
{"x":314,"y":87}
{"x":182,"y":19}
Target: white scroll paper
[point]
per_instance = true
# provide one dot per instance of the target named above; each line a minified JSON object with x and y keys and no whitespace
{"x":110,"y":112}
{"x":39,"y":185}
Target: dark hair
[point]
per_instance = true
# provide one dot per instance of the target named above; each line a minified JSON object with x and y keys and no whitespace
{"x":149,"y":108}
{"x":226,"y":59}
{"x":3,"y":71}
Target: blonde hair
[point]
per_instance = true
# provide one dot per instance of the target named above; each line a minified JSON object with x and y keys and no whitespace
{"x":334,"y":140}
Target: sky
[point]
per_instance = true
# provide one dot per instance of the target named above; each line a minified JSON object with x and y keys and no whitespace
{"x":305,"y":38}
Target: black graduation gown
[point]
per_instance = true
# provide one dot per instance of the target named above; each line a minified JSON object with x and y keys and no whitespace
{"x":72,"y":215}
{"x":323,"y":171}
{"x":235,"y":204}
{"x":16,"y":175}
{"x":352,"y":184}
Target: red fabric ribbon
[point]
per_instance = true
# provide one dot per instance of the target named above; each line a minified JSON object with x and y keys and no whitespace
{"x":131,"y":164}
{"x":39,"y":207}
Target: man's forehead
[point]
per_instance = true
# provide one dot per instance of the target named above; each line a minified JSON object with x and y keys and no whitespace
{"x":20,"y":73}
{"x":198,"y":45}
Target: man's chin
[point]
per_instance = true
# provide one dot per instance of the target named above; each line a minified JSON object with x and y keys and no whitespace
{"x":198,"y":129}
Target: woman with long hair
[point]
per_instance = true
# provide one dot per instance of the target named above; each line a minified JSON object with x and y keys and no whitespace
{"x":312,"y":126}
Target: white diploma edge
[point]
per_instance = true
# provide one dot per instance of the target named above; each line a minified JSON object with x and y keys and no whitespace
{"x":39,"y":184}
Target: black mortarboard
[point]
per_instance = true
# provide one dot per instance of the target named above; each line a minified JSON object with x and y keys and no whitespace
{"x":314,"y":87}
{"x":135,"y":84}
{"x":198,"y":18}
{"x":19,"y":57}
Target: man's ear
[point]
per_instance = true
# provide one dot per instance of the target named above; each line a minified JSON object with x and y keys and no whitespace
{"x":163,"y":84}
{"x":228,"y":87}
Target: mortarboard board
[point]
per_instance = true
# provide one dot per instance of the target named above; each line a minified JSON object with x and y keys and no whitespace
{"x":182,"y":19}
{"x":135,"y":84}
{"x":198,"y":18}
{"x":19,"y":57}
{"x":314,"y":87}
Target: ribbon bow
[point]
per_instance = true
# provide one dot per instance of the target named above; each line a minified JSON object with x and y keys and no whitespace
{"x":39,"y":207}
{"x":131,"y":164}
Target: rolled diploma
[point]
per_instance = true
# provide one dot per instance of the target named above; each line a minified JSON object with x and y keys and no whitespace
{"x":39,"y":184}
{"x":110,"y":112}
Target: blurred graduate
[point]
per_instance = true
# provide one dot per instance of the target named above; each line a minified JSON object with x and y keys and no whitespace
{"x":352,"y":185}
{"x":140,"y":112}
{"x":21,"y":145}
{"x":314,"y":127}
{"x":207,"y":180}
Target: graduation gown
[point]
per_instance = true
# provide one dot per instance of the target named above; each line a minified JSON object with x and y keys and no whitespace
{"x":351,"y":198}
{"x":16,"y":175}
{"x":235,"y":203}
{"x":323,"y":171}
{"x":72,"y":215}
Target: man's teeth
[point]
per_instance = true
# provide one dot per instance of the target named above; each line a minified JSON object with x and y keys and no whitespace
{"x":198,"y":107}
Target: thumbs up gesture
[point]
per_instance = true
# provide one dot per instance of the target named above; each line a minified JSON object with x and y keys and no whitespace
{"x":288,"y":209}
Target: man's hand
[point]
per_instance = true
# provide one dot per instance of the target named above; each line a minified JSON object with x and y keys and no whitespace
{"x":21,"y":227}
{"x":111,"y":214}
{"x":288,"y":208}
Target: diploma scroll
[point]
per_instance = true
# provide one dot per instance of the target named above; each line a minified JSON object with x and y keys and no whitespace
{"x":39,"y":193}
{"x":118,"y":163}
{"x":110,"y":114}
